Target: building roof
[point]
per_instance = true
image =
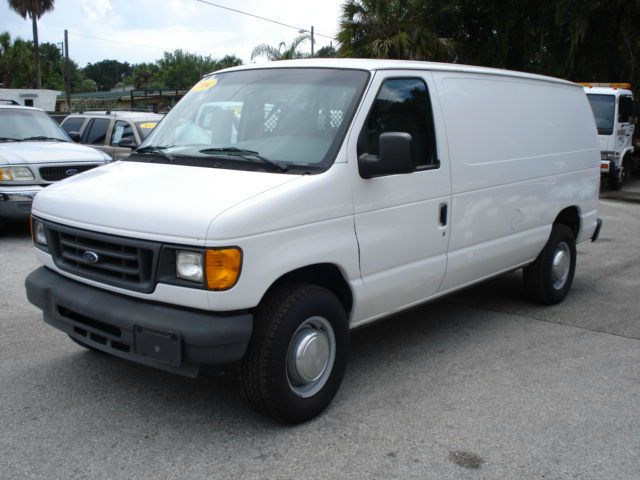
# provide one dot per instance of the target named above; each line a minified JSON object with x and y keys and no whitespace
{"x":375,"y":64}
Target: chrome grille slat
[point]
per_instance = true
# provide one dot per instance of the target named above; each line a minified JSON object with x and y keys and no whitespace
{"x":120,"y":255}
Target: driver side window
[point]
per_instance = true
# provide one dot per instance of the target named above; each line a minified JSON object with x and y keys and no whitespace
{"x":402,"y":105}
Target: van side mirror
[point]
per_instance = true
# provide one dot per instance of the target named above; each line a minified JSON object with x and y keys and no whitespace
{"x":75,"y":136}
{"x":395,"y":156}
{"x":128,"y":142}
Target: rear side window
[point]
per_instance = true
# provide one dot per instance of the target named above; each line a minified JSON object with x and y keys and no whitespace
{"x":402,"y":105}
{"x":121,"y":130}
{"x":97,"y":132}
{"x":73,"y":124}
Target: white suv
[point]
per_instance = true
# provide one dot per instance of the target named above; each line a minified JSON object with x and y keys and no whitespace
{"x":35,"y":152}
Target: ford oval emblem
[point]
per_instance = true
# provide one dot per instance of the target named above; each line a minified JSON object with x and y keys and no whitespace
{"x":90,"y":257}
{"x":71,"y":172}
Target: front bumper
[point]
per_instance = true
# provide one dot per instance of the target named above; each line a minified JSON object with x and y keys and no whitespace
{"x":175,"y":339}
{"x":15,"y":202}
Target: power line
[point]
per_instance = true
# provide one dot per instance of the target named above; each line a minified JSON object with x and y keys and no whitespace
{"x":124,"y":43}
{"x":261,"y":18}
{"x":117,"y":41}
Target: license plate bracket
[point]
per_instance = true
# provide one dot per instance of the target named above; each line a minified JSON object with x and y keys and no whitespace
{"x":162,"y":346}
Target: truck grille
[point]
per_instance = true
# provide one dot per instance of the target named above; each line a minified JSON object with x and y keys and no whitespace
{"x":118,"y":261}
{"x":60,"y":172}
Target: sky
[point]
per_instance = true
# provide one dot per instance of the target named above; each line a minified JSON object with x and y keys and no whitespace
{"x":146,"y":28}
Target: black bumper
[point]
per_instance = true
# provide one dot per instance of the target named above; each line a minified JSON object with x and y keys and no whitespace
{"x":175,"y":339}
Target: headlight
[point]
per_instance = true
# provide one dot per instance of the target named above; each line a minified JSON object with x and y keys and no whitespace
{"x":15,"y":174}
{"x":189,"y":266}
{"x":38,"y":233}
{"x":223,"y":268}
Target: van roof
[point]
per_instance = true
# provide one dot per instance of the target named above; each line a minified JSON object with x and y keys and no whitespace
{"x":375,"y":64}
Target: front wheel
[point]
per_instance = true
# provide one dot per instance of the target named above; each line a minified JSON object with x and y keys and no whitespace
{"x":618,"y":175}
{"x":297,"y":355}
{"x":548,"y":279}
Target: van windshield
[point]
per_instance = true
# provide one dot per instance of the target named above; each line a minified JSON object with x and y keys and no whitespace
{"x":283,"y":119}
{"x":603,"y":107}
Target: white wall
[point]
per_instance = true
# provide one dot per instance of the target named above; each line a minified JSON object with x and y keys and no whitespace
{"x":44,"y":99}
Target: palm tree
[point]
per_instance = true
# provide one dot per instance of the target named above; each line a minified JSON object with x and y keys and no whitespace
{"x":401,"y":29}
{"x":34,"y":9}
{"x":282,"y":52}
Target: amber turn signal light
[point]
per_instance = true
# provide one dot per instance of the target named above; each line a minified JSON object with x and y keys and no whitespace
{"x":223,"y":267}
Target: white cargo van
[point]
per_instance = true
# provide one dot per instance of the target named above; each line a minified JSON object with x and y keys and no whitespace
{"x":333,"y":193}
{"x":612,"y":105}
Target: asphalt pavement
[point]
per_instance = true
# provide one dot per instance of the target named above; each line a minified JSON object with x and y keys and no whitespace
{"x":481,"y":385}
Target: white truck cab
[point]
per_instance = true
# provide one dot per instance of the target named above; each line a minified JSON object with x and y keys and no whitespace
{"x":278,"y":206}
{"x":612,"y":105}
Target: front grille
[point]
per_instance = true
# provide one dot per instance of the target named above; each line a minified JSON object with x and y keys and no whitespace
{"x":118,"y":261}
{"x":60,"y":172}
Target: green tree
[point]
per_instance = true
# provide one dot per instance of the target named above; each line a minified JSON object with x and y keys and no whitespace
{"x":327,"y":52}
{"x":180,"y":69}
{"x":402,"y":29}
{"x":107,"y":73}
{"x":33,"y":9}
{"x":282,"y":52}
{"x":228,"y":61}
{"x":16,"y":65}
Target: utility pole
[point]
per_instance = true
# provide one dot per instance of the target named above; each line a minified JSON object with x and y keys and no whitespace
{"x":67,"y":70}
{"x":312,"y":41}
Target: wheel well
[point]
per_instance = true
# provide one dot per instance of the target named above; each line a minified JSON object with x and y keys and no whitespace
{"x":571,"y":218}
{"x":326,"y":275}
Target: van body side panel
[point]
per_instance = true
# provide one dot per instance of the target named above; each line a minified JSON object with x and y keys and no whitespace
{"x":521,"y":151}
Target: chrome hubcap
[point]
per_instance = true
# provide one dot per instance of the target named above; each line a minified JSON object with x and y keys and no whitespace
{"x":561,"y":265}
{"x":310,"y":356}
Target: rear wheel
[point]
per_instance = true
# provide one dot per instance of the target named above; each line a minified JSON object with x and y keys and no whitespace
{"x":297,"y":355}
{"x":548,"y":279}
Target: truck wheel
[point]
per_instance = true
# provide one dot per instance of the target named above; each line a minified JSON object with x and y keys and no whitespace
{"x":618,"y":176}
{"x":548,"y":279}
{"x":297,"y":354}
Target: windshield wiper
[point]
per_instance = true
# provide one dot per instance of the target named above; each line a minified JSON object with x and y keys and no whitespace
{"x":245,"y":154}
{"x":9,"y":139}
{"x":41,"y":137}
{"x":156,"y":150}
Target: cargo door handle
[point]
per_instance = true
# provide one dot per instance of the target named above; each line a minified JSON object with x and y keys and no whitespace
{"x":443,"y":214}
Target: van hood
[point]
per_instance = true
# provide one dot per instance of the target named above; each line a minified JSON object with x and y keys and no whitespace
{"x":152,"y":201}
{"x":20,"y":153}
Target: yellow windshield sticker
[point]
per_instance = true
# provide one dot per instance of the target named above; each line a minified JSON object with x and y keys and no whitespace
{"x":148,"y":125}
{"x":204,"y":84}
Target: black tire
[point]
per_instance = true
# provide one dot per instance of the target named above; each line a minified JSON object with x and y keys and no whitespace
{"x":617,"y":177}
{"x":540,"y":285}
{"x":84,"y":345}
{"x":2,"y":226}
{"x":263,"y":372}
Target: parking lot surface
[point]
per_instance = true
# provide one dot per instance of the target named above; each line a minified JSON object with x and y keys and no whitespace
{"x":479,"y":385}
